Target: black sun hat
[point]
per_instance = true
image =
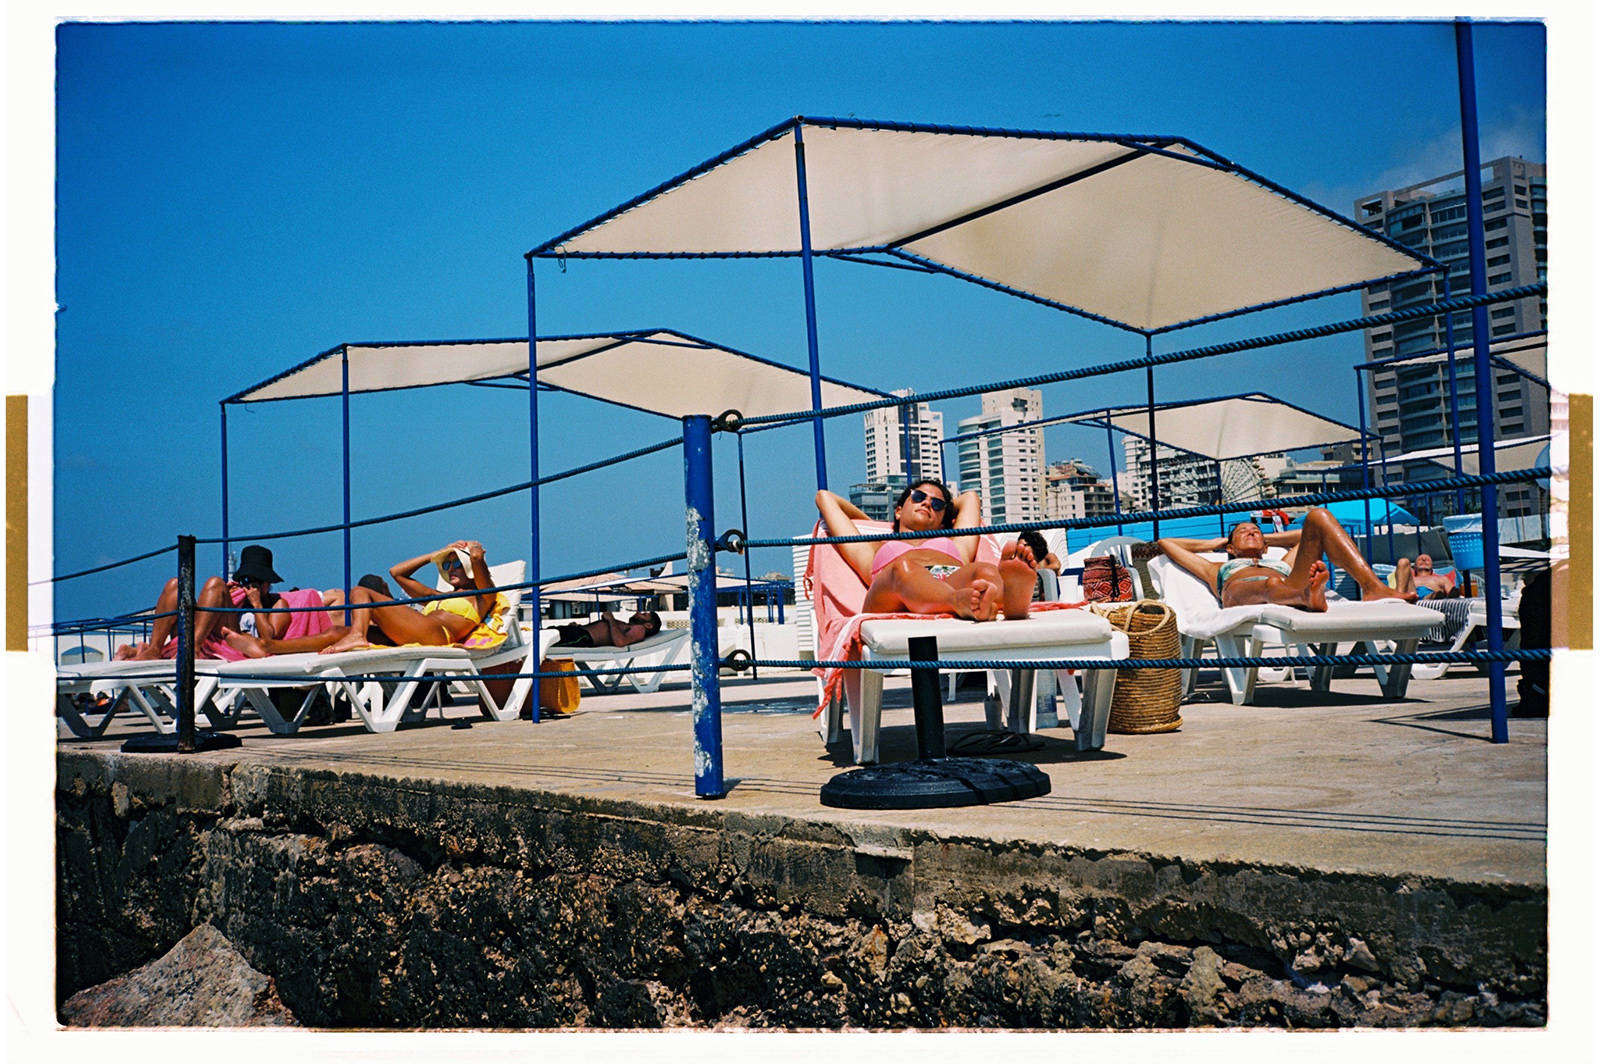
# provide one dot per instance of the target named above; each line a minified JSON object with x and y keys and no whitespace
{"x":255,"y":563}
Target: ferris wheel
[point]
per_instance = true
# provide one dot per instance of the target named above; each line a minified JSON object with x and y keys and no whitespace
{"x":1242,"y":481}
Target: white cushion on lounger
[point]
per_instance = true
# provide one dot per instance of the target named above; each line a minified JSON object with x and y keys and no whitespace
{"x":888,"y":638}
{"x":1382,"y":619}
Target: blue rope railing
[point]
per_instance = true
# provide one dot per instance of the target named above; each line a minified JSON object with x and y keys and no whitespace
{"x":1316,"y":499}
{"x":676,"y":441}
{"x":1169,"y":358}
{"x":1452,"y":657}
{"x":104,"y":568}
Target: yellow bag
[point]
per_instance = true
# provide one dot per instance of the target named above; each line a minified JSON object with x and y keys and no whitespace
{"x":558,"y":694}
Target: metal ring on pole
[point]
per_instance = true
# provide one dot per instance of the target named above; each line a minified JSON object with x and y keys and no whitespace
{"x":727,"y":421}
{"x":737,"y":660}
{"x":732,"y":541}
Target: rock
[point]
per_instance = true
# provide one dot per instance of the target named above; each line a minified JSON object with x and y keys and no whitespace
{"x":1202,"y":987}
{"x":1356,"y":954}
{"x":201,"y":982}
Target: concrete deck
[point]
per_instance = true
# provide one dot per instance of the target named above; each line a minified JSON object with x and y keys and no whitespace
{"x":1347,"y":782}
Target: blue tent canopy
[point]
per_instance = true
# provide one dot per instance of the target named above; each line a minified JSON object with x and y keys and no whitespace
{"x":1352,"y":514}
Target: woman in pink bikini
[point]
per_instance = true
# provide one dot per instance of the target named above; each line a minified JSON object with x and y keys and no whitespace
{"x":936,"y":575}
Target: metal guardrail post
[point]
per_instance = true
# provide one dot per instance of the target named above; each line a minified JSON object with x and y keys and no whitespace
{"x":186,"y":644}
{"x":701,"y":537}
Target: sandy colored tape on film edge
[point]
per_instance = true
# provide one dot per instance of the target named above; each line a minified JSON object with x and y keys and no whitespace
{"x":1578,"y":595}
{"x":16,"y":522}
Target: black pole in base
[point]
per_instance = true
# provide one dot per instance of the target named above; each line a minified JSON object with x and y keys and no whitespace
{"x":169,"y":744}
{"x":933,"y":781}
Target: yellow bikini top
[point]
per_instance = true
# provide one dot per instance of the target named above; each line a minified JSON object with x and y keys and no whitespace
{"x":490,"y":631}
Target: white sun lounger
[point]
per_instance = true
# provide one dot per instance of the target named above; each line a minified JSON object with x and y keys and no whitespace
{"x":663,"y":648}
{"x":1242,"y":631}
{"x":380,"y":681}
{"x":1053,"y":634}
{"x":144,"y":686}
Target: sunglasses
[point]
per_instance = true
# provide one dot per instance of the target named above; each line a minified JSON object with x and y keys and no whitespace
{"x":452,"y":563}
{"x":936,"y":505}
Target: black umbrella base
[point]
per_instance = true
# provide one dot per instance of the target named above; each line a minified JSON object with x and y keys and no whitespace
{"x":935,"y":783}
{"x":168,"y":744}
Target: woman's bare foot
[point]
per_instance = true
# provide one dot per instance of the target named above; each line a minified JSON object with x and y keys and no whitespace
{"x":244,"y":643}
{"x":988,"y":603}
{"x":144,"y":652}
{"x":350,"y":641}
{"x":125,"y":652}
{"x":966,"y":601}
{"x":1317,"y":588}
{"x":1018,"y":578}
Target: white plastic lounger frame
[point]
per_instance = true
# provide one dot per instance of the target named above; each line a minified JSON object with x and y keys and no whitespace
{"x":1056,"y":634}
{"x":145,"y":686}
{"x":663,"y":648}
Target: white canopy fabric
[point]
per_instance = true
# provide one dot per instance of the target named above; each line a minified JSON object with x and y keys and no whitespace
{"x":1517,"y":453}
{"x":661,"y":371}
{"x":1231,"y":427}
{"x":1144,"y":239}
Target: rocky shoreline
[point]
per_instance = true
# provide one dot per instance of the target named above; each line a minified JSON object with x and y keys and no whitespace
{"x":393,"y":903}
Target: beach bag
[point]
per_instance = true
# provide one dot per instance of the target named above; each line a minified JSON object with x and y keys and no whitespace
{"x":559,"y":694}
{"x":1106,"y":579}
{"x":1145,"y":700}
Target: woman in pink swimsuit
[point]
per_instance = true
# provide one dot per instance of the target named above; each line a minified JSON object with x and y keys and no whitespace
{"x":935,"y":575}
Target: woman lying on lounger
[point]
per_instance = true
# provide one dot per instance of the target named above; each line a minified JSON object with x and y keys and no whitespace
{"x":1300,"y":580}
{"x":374,"y":617}
{"x":936,"y":575}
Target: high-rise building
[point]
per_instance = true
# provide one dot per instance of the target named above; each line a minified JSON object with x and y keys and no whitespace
{"x":1186,"y":479}
{"x":1006,"y":469}
{"x":1073,"y":489}
{"x":876,"y":498}
{"x":886,"y":439}
{"x":1409,"y":401}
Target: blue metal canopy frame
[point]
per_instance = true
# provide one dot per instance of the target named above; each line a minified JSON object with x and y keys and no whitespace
{"x":516,"y":379}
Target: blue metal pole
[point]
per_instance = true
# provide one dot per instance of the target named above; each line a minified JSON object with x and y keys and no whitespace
{"x":533,"y":470}
{"x":186,"y":648}
{"x":744,"y":523}
{"x":1366,"y":474}
{"x":344,"y":398}
{"x":811,"y":307}
{"x":1450,"y":377}
{"x":1116,"y":495}
{"x":1480,"y":358}
{"x":1155,"y":472}
{"x":1383,"y":466}
{"x":706,"y":699}
{"x":226,"y":574}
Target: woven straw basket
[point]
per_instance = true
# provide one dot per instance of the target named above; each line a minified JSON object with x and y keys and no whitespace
{"x":1145,"y":700}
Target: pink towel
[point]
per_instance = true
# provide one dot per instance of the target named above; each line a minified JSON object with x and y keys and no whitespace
{"x":312,"y":621}
{"x":837,"y":593}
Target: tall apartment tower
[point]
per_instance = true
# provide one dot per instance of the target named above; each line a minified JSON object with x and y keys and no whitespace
{"x":1186,"y":479}
{"x":1006,"y":469}
{"x":1073,"y":489}
{"x":886,"y":434}
{"x":1410,"y":401}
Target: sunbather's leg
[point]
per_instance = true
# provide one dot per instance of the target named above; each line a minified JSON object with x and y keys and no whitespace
{"x":1404,"y":579}
{"x":904,"y":586}
{"x":213,"y":593}
{"x":1323,"y":534}
{"x":400,"y":623}
{"x":252,"y":647}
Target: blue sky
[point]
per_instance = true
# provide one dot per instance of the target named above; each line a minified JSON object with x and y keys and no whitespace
{"x":234,"y":198}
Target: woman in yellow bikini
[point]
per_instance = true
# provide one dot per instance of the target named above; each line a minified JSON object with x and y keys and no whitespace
{"x":441,"y":622}
{"x":1300,"y":579}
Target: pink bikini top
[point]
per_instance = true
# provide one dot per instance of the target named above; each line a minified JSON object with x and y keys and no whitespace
{"x":896,"y":547}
